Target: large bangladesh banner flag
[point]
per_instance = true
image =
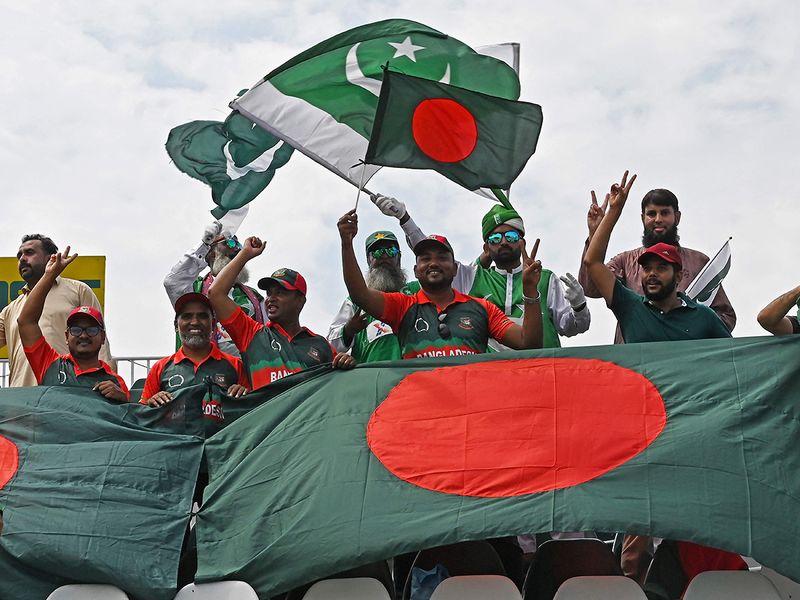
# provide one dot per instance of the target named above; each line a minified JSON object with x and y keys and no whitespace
{"x":684,"y":440}
{"x":94,"y":491}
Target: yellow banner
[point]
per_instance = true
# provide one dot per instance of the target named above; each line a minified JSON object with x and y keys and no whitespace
{"x":89,"y":269}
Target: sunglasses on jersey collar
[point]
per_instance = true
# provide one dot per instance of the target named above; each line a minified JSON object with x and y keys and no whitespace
{"x":444,"y":330}
{"x":512,"y":237}
{"x":91,"y":330}
{"x":391,"y":252}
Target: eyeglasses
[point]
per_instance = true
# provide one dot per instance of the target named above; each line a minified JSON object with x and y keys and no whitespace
{"x":444,"y":330}
{"x":91,"y":330}
{"x":512,"y":237}
{"x":231,"y":243}
{"x":391,"y":252}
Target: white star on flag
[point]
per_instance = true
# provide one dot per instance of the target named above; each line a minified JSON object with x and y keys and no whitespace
{"x":406,"y":48}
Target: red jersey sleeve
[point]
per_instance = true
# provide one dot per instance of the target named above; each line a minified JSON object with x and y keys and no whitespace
{"x":152,"y":385}
{"x":498,"y":321}
{"x":395,"y":306}
{"x":241,"y":328}
{"x":40,"y":356}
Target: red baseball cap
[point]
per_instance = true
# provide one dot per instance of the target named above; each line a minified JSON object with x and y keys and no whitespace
{"x":434,"y":240}
{"x":192,"y":297}
{"x":89,"y":311}
{"x":286,"y":278}
{"x":666,"y":252}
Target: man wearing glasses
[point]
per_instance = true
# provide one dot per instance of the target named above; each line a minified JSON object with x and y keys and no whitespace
{"x":217,"y":249}
{"x":438,"y":320}
{"x":85,"y":336}
{"x":564,"y":310}
{"x":369,"y":339}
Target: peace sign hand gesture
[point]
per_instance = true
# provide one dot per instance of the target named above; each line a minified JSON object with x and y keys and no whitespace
{"x":59,"y":261}
{"x":531,"y":270}
{"x":596,"y":213}
{"x":619,"y":193}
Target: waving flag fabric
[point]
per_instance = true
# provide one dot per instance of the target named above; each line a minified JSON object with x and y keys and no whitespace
{"x":236,"y":159}
{"x":476,"y":140}
{"x":323,"y":101}
{"x":704,"y":286}
{"x":357,"y":466}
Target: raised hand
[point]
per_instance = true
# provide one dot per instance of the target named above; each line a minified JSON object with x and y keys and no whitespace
{"x":348,"y":226}
{"x":59,"y":261}
{"x":358,"y":322}
{"x":596,"y":213}
{"x":619,"y":192}
{"x":389,"y":206}
{"x":252,"y":247}
{"x":531,"y":270}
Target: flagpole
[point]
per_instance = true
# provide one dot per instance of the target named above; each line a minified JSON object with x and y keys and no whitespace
{"x":360,"y":183}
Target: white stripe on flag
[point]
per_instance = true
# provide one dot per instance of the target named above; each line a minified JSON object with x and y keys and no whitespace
{"x":336,"y":146}
{"x":704,"y":286}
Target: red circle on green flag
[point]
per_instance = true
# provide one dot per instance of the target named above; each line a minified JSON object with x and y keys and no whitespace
{"x":444,"y":130}
{"x":507,"y":428}
{"x":9,"y":460}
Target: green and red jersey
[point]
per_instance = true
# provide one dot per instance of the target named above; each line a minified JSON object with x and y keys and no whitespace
{"x":463,"y":327}
{"x":179,"y":371}
{"x":52,"y":368}
{"x":269,"y":353}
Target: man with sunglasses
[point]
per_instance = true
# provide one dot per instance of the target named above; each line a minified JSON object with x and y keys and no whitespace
{"x":564,"y":309}
{"x":85,"y":335}
{"x":281,"y":346}
{"x":438,"y":320}
{"x":216,"y":250}
{"x":369,"y":339}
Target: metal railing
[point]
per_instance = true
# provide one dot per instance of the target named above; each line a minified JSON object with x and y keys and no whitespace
{"x":131,"y":368}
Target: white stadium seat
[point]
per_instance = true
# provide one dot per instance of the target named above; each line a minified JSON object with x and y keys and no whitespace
{"x":600,"y":587}
{"x":88,"y":591}
{"x":218,"y":590}
{"x":787,"y":588}
{"x":354,"y":588}
{"x":731,"y":585}
{"x":476,"y":587}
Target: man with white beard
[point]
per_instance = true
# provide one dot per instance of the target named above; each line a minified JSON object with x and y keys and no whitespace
{"x":217,"y":249}
{"x":368,"y":339}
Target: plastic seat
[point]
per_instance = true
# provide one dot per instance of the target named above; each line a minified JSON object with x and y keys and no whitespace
{"x":603,"y":587}
{"x":556,"y":561}
{"x":378,"y":571}
{"x":787,"y":588}
{"x":88,"y":591}
{"x":476,"y":587}
{"x":354,"y":588}
{"x":219,"y":590}
{"x":464,"y":558}
{"x":731,"y":585}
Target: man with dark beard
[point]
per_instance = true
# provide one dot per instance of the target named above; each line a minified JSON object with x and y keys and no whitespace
{"x":370,"y":339}
{"x":216,"y":250}
{"x":660,"y":218}
{"x":662,"y":314}
{"x":197,"y":359}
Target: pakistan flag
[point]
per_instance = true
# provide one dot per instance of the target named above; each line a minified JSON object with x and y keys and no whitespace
{"x":323,"y":101}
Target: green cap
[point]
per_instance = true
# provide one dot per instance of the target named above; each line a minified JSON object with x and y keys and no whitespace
{"x":500,"y":215}
{"x":381,"y":236}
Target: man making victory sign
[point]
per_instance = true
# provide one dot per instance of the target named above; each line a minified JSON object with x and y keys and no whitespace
{"x":438,"y":320}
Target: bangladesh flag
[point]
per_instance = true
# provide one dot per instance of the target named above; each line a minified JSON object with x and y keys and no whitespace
{"x":476,"y":140}
{"x":236,"y":159}
{"x":356,"y":466}
{"x":95,"y":491}
{"x":323,"y":100}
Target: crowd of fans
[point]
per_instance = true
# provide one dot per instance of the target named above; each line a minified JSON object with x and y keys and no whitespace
{"x":244,"y":339}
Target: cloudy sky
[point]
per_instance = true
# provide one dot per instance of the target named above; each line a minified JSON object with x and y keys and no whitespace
{"x":695,"y":97}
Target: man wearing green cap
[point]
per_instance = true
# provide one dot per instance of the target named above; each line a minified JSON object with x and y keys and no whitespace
{"x":564,"y":310}
{"x":775,"y":318}
{"x":369,"y":339}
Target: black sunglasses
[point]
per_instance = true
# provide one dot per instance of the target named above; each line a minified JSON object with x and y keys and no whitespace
{"x":91,"y":330}
{"x":444,"y":330}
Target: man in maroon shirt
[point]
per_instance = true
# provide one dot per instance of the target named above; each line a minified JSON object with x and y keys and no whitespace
{"x":660,"y":219}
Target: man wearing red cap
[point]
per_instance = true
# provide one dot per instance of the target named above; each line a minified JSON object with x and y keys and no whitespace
{"x":438,"y":320}
{"x":85,"y":335}
{"x":198,"y":360}
{"x":662,"y":314}
{"x":282,"y":346}
{"x":660,"y":219}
